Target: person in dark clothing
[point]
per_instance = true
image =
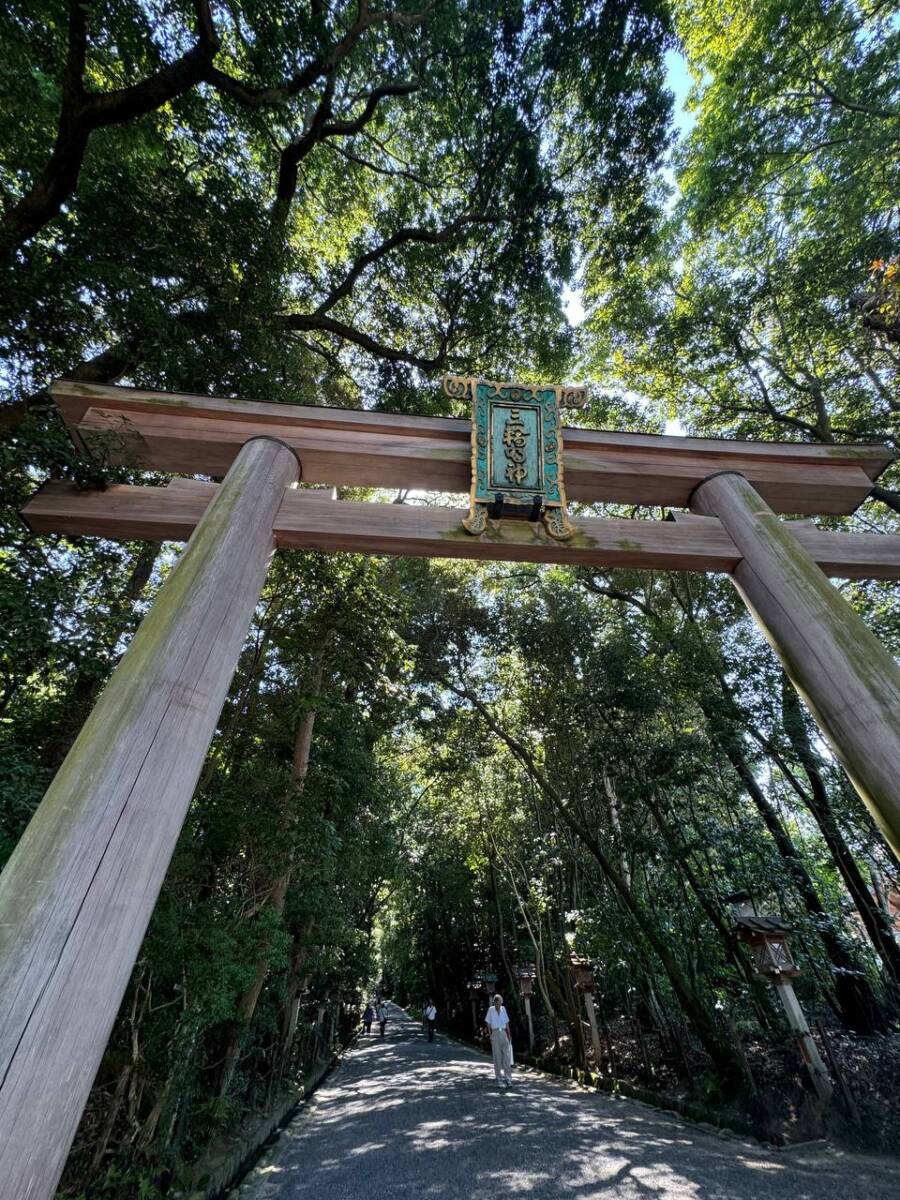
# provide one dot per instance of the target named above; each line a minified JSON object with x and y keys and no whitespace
{"x":368,"y":1018}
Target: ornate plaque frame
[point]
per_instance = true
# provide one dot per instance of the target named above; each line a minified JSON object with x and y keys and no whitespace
{"x":517,"y":451}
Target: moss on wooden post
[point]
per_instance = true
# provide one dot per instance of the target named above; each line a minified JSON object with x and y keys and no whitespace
{"x":76,"y":896}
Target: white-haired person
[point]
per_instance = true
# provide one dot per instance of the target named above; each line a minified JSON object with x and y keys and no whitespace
{"x":497,"y":1021}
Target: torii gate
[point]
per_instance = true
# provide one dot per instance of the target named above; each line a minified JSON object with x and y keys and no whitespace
{"x":78,"y":892}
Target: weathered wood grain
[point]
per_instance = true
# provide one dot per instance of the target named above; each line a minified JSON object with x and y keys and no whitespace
{"x":76,"y":896}
{"x":309,"y":519}
{"x":840,"y":555}
{"x":192,"y":434}
{"x":75,"y":398}
{"x":849,"y":680}
{"x":437,"y":532}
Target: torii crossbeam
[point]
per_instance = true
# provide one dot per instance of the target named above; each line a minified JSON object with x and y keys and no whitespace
{"x":80,"y":887}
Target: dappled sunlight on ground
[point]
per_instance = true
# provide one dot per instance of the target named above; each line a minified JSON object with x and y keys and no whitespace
{"x":405,"y":1118}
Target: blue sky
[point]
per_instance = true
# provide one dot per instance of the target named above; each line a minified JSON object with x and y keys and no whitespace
{"x":679,"y":81}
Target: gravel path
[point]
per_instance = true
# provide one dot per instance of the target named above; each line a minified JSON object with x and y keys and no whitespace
{"x":404,"y":1119}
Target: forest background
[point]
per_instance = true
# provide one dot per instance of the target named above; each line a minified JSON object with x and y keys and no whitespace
{"x":429,"y":768}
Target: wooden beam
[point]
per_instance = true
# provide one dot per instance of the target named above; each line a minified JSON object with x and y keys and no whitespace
{"x":840,"y":555}
{"x":201,"y":434}
{"x":308,"y":519}
{"x":420,"y":532}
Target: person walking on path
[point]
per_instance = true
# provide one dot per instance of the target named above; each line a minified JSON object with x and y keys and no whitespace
{"x":368,"y":1018}
{"x":497,"y":1021}
{"x":381,"y":1015}
{"x":430,"y":1018}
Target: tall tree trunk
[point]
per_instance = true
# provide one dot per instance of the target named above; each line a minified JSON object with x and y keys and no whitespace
{"x":856,"y":1004}
{"x":559,"y":984}
{"x":759,"y":992}
{"x":612,"y":805}
{"x":540,"y":965}
{"x":819,"y":803}
{"x":501,"y":938}
{"x":298,"y":980}
{"x":278,"y":889}
{"x":724,"y":1056}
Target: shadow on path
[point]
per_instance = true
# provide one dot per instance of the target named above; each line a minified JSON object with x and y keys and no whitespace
{"x":405,"y":1118}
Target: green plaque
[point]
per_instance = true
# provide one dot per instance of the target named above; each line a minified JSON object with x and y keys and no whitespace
{"x":517,"y":468}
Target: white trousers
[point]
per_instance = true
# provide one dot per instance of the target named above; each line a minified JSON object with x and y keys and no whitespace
{"x":502,"y":1052}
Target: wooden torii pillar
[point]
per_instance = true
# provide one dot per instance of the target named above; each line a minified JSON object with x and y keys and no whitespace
{"x":78,"y":892}
{"x":80,"y":887}
{"x":849,"y":680}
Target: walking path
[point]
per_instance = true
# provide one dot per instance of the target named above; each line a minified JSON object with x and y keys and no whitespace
{"x":401,"y":1118}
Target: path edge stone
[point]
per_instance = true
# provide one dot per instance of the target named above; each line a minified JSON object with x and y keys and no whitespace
{"x":228,"y":1161}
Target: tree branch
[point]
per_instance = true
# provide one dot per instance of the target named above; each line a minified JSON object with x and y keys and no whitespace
{"x":885,"y":114}
{"x":297,"y":150}
{"x":886,"y":496}
{"x":127,"y":104}
{"x":616,"y":594}
{"x":431,"y":237}
{"x":401,"y":173}
{"x":373,"y":99}
{"x":81,"y":112}
{"x":320,"y":127}
{"x":316,"y":68}
{"x":311,"y":321}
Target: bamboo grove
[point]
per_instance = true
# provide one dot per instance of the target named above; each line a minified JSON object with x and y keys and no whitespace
{"x":427,"y":769}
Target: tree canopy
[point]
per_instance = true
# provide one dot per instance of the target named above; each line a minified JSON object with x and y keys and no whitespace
{"x":375,"y":189}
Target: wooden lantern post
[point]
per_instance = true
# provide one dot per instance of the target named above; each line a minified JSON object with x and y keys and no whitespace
{"x":78,"y":891}
{"x":488,"y":981}
{"x":767,"y":938}
{"x":583,"y":978}
{"x":849,"y":680}
{"x":525,"y":978}
{"x":319,"y":1028}
{"x":476,"y":994}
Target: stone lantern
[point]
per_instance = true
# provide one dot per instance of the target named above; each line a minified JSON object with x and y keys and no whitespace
{"x":583,"y":979}
{"x":525,"y":977}
{"x":767,"y":939}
